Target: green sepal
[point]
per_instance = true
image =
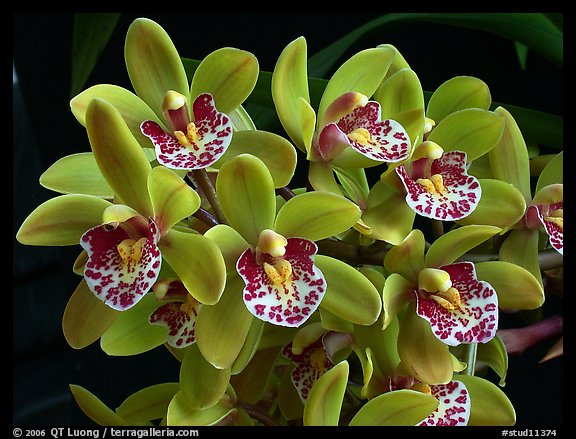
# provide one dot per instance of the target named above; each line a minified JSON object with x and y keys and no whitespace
{"x":397,"y":293}
{"x":230,"y":243}
{"x":250,"y":384}
{"x":400,"y":407}
{"x":131,"y":333}
{"x":246,"y":192}
{"x":354,"y":183}
{"x":321,"y":178}
{"x":95,"y":409}
{"x":374,"y":275}
{"x":120,"y":158}
{"x":228,"y":74}
{"x":553,"y":172}
{"x":509,"y":159}
{"x":241,"y":119}
{"x":449,"y":247}
{"x":148,"y":404}
{"x":201,"y":384}
{"x":480,"y":168}
{"x":180,"y":413}
{"x":501,"y":205}
{"x":221,"y":329}
{"x":250,"y":346}
{"x":457,"y":94}
{"x":516,"y":287}
{"x":198,"y":262}
{"x":488,"y":404}
{"x":494,"y":354}
{"x":306,"y":336}
{"x":77,"y":174}
{"x":521,"y":248}
{"x":349,"y":294}
{"x":400,"y":92}
{"x":472,"y":130}
{"x":62,"y":220}
{"x":332,"y":322}
{"x":316,"y":215}
{"x":86,"y":317}
{"x":407,"y":258}
{"x":324,"y":402}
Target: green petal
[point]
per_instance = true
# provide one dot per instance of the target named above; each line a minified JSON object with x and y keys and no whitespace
{"x":553,"y":173}
{"x":489,"y":405}
{"x":501,"y":205}
{"x":277,"y":153}
{"x":457,"y":94}
{"x":472,"y":130}
{"x":516,"y":287}
{"x":324,"y":401}
{"x":332,"y":322}
{"x":149,"y":403}
{"x":172,"y":199}
{"x":398,"y":61}
{"x":230,"y":243}
{"x":250,"y":346}
{"x":131,"y":334}
{"x":521,"y":248}
{"x":397,"y":293}
{"x":134,"y":110}
{"x":62,"y":220}
{"x":76,"y":174}
{"x":86,"y":317}
{"x":94,"y":408}
{"x":289,"y":87}
{"x":401,"y":407}
{"x":241,"y":120}
{"x":361,"y":73}
{"x":221,"y":329}
{"x":450,"y":246}
{"x":407,"y":258}
{"x":400,"y":92}
{"x":480,"y":168}
{"x":202,"y":385}
{"x":180,"y":413}
{"x":251,"y":383}
{"x":246,"y":192}
{"x":229,"y":75}
{"x":119,"y":156}
{"x":509,"y":158}
{"x":355,"y":184}
{"x":316,"y":216}
{"x":153,"y":63}
{"x":306,"y":336}
{"x":494,"y":355}
{"x":321,"y":177}
{"x":350,"y":295}
{"x":198,"y":262}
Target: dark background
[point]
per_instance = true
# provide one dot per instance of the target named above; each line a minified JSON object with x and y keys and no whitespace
{"x":45,"y":130}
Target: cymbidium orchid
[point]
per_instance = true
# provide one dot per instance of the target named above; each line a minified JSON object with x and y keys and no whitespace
{"x":547,"y":212}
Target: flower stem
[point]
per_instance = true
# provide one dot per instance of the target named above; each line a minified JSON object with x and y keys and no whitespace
{"x":470,"y":351}
{"x":257,"y":413}
{"x":285,"y":192}
{"x":204,"y":182}
{"x":206,"y":217}
{"x":437,"y":228}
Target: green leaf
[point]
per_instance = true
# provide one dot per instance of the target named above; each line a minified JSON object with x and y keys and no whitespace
{"x":228,"y":74}
{"x":400,"y":92}
{"x":407,"y":258}
{"x":131,"y":334}
{"x":516,"y":287}
{"x":316,"y":216}
{"x":553,"y":172}
{"x":494,"y":355}
{"x":521,"y":248}
{"x":91,"y":34}
{"x":246,"y":192}
{"x":94,"y":408}
{"x":149,"y":403}
{"x":180,"y":413}
{"x":522,"y":54}
{"x":489,"y":405}
{"x":453,"y":244}
{"x":457,"y":94}
{"x":221,"y":329}
{"x":86,"y":317}
{"x":400,"y":407}
{"x":324,"y":403}
{"x":198,"y":262}
{"x":471,"y":130}
{"x":62,"y":220}
{"x":230,"y":243}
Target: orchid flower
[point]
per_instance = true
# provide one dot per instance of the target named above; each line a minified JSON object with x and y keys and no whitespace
{"x":547,"y":211}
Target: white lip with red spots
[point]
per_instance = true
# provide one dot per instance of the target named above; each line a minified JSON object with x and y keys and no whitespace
{"x":293,"y":301}
{"x":474,"y":321}
{"x":119,"y":283}
{"x":460,"y":197}
{"x":454,"y":405}
{"x":180,"y":323}
{"x":554,"y":231}
{"x":214,"y":134}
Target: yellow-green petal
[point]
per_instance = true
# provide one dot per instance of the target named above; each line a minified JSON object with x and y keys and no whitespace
{"x":251,"y":384}
{"x":149,"y":403}
{"x":180,"y":413}
{"x":228,"y":74}
{"x":221,"y":329}
{"x":450,"y":246}
{"x":120,"y":158}
{"x":472,"y":130}
{"x":94,"y":408}
{"x":457,"y":94}
{"x":316,"y":215}
{"x":86,"y":317}
{"x":250,"y":346}
{"x":407,"y":258}
{"x":321,"y":178}
{"x":246,"y":192}
{"x":400,"y":408}
{"x":62,"y":220}
{"x":400,"y":92}
{"x":76,"y":174}
{"x":521,"y":248}
{"x":489,"y":405}
{"x":516,"y":287}
{"x":397,"y":293}
{"x":350,"y":295}
{"x":198,"y":262}
{"x":324,"y":402}
{"x":172,"y":199}
{"x":230,"y":243}
{"x":494,"y":354}
{"x":553,"y":172}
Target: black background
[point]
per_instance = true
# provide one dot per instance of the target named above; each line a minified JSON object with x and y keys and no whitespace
{"x":45,"y":130}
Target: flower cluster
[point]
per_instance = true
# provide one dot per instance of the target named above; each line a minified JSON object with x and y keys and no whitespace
{"x":317,"y":305}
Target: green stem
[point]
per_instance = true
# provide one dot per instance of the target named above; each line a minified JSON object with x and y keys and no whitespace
{"x":470,"y":358}
{"x":203,"y":180}
{"x":258,"y":414}
{"x":437,"y":228}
